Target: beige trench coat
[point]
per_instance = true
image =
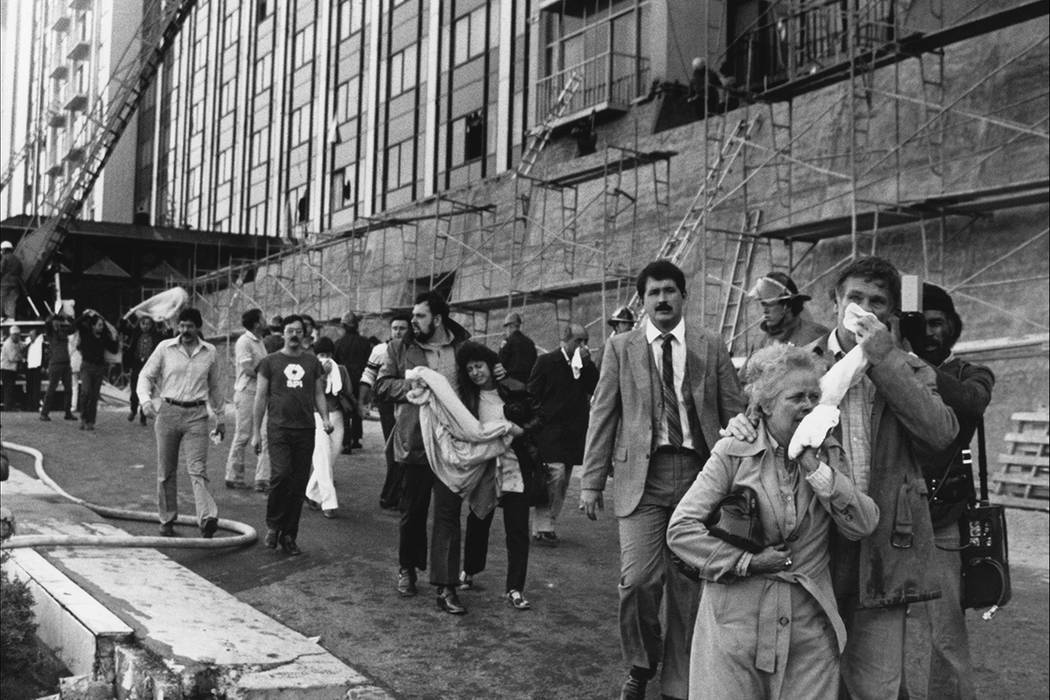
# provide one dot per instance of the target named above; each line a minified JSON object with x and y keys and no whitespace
{"x":775,"y":635}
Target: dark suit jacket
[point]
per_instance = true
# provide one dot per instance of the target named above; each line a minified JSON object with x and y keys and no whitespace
{"x":621,"y":426}
{"x":517,"y":354}
{"x":564,"y":405}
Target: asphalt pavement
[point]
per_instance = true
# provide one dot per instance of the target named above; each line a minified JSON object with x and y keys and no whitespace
{"x":342,"y":588}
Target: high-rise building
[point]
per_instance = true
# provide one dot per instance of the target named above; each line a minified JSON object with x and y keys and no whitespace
{"x":283,"y":117}
{"x":57,"y":62}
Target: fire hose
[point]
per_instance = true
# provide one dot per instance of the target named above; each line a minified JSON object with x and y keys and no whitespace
{"x":245,"y":534}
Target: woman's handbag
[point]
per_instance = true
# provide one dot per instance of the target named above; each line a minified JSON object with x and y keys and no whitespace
{"x":735,"y":520}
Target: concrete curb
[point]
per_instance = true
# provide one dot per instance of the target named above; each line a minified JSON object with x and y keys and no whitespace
{"x":131,"y":623}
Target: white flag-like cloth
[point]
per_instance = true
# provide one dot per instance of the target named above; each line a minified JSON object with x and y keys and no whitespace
{"x":833,"y":387}
{"x":461,"y":449}
{"x":162,"y":307}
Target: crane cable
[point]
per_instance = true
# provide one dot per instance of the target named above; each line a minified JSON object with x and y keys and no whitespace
{"x":245,"y":533}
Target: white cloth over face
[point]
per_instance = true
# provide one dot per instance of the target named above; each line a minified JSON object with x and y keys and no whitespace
{"x":576,"y":364}
{"x":461,"y":450}
{"x":833,"y":387}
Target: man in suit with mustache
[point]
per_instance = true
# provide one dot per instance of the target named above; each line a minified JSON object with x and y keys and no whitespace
{"x":664,"y":392}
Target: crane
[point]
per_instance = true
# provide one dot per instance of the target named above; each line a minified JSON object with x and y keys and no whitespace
{"x":128,"y":83}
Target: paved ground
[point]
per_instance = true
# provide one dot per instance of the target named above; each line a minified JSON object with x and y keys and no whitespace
{"x":342,"y":588}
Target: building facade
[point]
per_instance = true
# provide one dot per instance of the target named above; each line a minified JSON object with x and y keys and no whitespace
{"x":57,"y":64}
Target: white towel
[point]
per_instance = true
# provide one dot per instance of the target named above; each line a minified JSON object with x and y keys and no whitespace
{"x":35,"y":354}
{"x":162,"y":307}
{"x":333,"y":380}
{"x":576,"y":363}
{"x":814,"y":428}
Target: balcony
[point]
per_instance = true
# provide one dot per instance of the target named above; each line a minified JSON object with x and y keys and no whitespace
{"x":80,"y":51}
{"x":75,"y":154}
{"x":610,"y":82}
{"x":81,"y":4}
{"x":76,"y":100}
{"x":60,"y":71}
{"x":786,"y":45}
{"x":56,"y":118}
{"x":61,"y":23}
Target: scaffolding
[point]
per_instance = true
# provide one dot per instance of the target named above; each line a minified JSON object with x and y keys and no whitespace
{"x":849,"y":134}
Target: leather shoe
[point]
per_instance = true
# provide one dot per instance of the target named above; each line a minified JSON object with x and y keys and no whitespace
{"x":633,"y":688}
{"x":288,"y":546}
{"x":545,"y":538}
{"x":208,"y":527}
{"x":236,"y":485}
{"x":44,"y":417}
{"x":271,"y":539}
{"x":69,"y":416}
{"x":448,"y":601}
{"x":406,"y":583}
{"x":262,"y":486}
{"x":167,"y":529}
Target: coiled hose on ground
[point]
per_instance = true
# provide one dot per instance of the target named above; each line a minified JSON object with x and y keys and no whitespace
{"x":245,"y":533}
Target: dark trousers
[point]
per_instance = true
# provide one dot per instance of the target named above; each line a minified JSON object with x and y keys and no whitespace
{"x":60,"y":374}
{"x":90,"y":388}
{"x":33,"y":389}
{"x":291,"y":450}
{"x":416,"y":485}
{"x":391,"y":493}
{"x":133,"y":381}
{"x":357,"y":423}
{"x":515,"y":525}
{"x":9,"y":377}
{"x":445,"y":536}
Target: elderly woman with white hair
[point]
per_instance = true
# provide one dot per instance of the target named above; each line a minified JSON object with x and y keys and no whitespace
{"x":756,"y":526}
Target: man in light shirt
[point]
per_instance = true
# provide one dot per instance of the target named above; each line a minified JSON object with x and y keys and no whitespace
{"x":247,"y":352}
{"x":391,"y":493}
{"x":183,"y":372}
{"x":664,"y":391}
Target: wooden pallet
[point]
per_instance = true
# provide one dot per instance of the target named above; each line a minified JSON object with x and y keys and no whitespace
{"x":1024,"y":478}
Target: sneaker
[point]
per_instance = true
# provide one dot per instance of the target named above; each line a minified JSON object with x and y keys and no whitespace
{"x":329,"y":513}
{"x":406,"y":583}
{"x":44,"y":417}
{"x":208,"y":527}
{"x":167,"y":529}
{"x":236,"y":485}
{"x":448,"y":601}
{"x":312,"y":504}
{"x":517,"y":601}
{"x":262,"y":486}
{"x":545,"y":538}
{"x":466,"y":581}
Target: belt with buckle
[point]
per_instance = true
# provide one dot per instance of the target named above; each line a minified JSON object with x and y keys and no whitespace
{"x":185,"y":404}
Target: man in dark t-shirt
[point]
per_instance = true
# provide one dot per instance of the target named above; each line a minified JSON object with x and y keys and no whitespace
{"x":289,"y":390}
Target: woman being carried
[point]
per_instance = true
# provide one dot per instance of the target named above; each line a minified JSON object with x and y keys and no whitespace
{"x":491,"y":401}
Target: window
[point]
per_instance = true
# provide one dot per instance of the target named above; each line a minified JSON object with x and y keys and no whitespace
{"x":260,"y":10}
{"x":399,"y":165}
{"x":403,"y":71}
{"x":350,"y":17}
{"x":341,"y":190}
{"x":469,"y":36}
{"x":300,"y":125}
{"x":302,"y":48}
{"x":474,"y":140}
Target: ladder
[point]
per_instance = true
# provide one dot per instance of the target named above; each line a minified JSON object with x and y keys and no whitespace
{"x":542,"y":134}
{"x":677,"y":246}
{"x":737,"y":278}
{"x":131,"y":79}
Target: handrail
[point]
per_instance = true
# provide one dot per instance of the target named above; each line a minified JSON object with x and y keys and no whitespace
{"x":611,"y":76}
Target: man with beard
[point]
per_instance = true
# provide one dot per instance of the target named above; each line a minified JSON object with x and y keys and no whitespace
{"x":782,"y":305}
{"x":391,"y":493}
{"x":433,"y":343}
{"x":289,"y":388}
{"x":944,"y":667}
{"x":184,"y":372}
{"x":665,"y":390}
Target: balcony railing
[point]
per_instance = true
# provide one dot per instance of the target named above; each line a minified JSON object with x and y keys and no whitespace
{"x":784,"y":45}
{"x":610,"y":80}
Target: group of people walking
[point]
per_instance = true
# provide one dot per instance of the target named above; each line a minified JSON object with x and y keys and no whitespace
{"x":774,"y":523}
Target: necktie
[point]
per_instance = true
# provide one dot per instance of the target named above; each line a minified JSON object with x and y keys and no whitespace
{"x":674,"y":419}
